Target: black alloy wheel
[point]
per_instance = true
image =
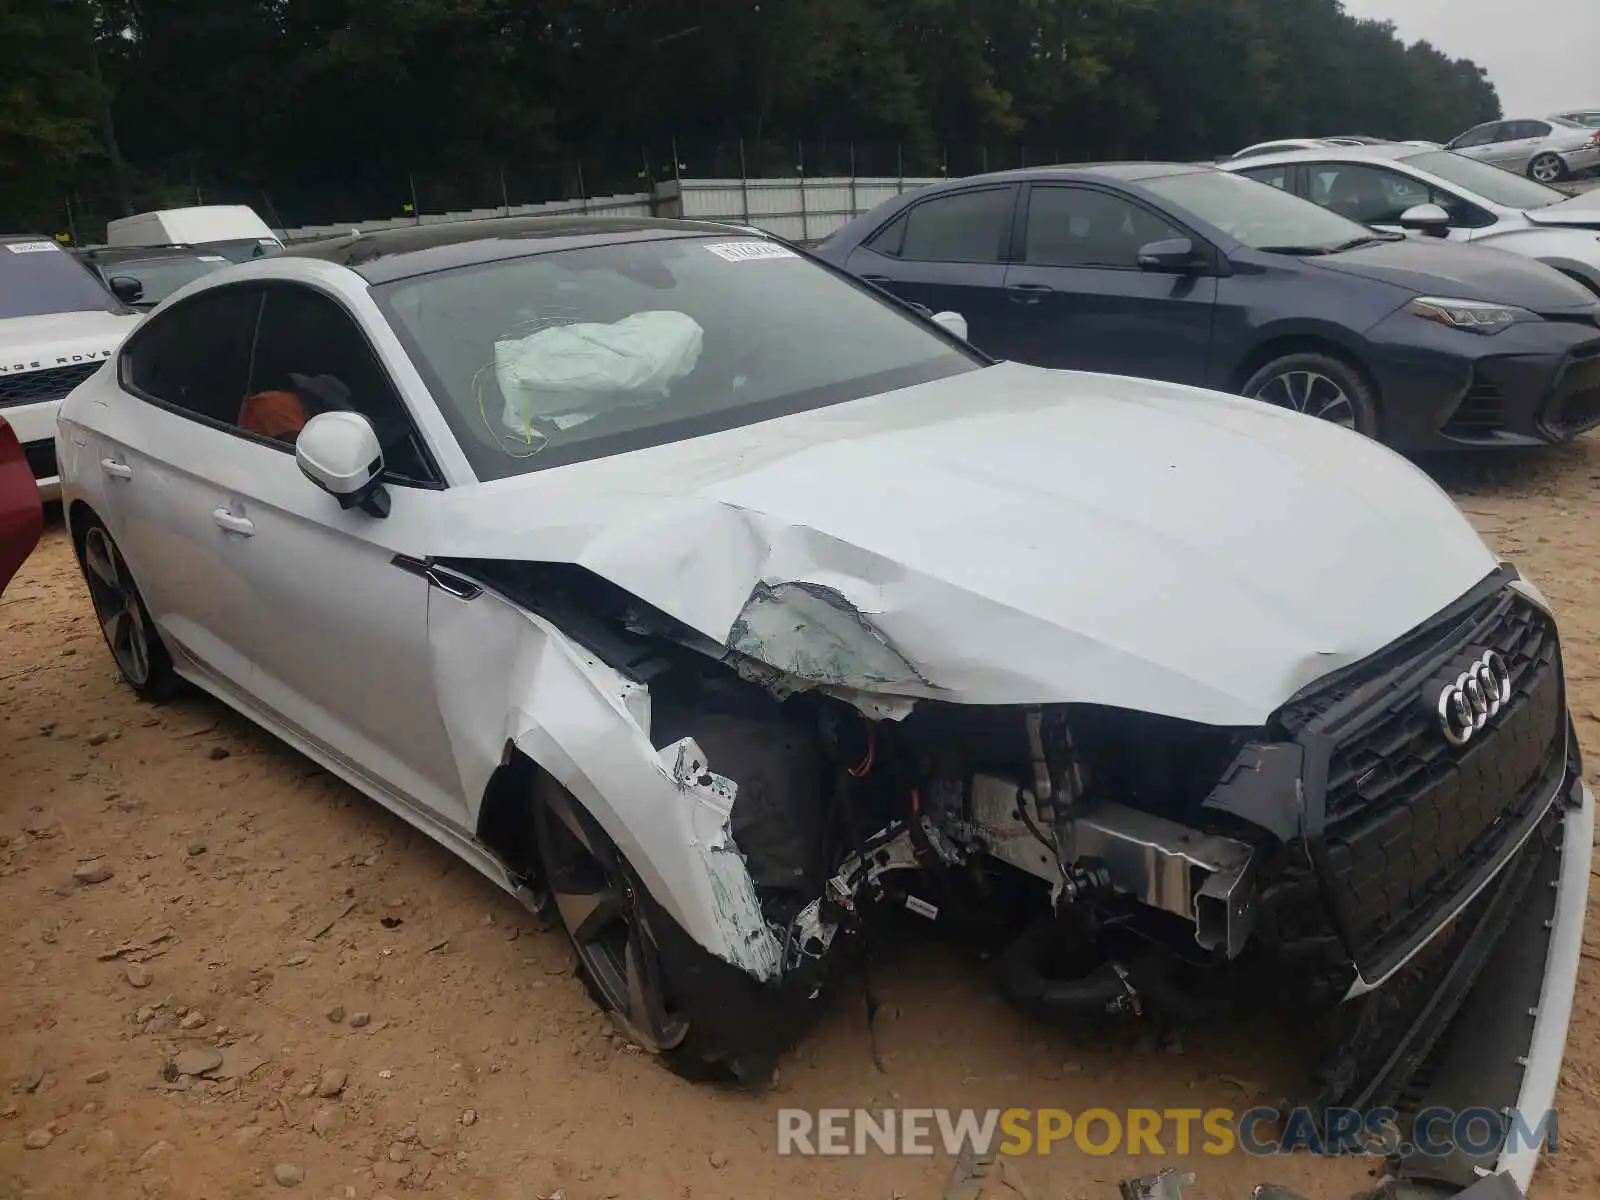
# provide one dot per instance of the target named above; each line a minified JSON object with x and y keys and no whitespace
{"x":601,"y":904}
{"x":1320,"y":386}
{"x":135,"y":646}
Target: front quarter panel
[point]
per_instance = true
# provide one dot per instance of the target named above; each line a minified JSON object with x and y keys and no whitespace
{"x":1266,"y":300}
{"x":506,"y":677}
{"x":1576,"y":252}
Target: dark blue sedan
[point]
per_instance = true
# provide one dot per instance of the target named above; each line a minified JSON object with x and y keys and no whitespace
{"x":1193,"y":275}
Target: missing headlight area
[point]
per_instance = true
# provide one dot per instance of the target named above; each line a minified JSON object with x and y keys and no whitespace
{"x":803,"y":791}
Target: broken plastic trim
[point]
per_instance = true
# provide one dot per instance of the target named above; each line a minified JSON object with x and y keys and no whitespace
{"x":752,"y":944}
{"x":893,"y":848}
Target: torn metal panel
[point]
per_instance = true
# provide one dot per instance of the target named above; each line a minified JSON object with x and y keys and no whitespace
{"x":506,"y":675}
{"x":710,"y":798}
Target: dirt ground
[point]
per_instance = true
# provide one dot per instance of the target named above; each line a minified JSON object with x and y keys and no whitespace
{"x":257,"y":909}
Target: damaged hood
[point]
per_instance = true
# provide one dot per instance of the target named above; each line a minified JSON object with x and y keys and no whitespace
{"x":1014,"y":535}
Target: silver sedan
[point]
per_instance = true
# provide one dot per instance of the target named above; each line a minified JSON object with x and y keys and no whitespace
{"x":1547,"y":150}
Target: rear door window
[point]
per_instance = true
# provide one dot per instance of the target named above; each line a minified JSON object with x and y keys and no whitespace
{"x":195,"y":357}
{"x":966,"y":227}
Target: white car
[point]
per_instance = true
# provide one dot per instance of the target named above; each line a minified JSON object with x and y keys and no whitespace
{"x":665,"y":572}
{"x":1437,"y":193}
{"x":1278,"y":147}
{"x":58,"y":326}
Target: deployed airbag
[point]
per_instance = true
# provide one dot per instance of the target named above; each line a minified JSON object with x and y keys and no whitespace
{"x":585,"y":368}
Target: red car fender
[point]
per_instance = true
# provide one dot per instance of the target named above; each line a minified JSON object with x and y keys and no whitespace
{"x":21,"y":514}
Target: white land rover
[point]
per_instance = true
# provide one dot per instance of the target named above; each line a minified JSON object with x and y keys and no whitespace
{"x":58,"y":325}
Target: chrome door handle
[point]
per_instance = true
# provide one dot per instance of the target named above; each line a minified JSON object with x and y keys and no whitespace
{"x":234,"y":523}
{"x":115,"y":469}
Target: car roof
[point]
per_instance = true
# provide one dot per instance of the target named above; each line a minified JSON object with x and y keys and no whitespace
{"x":1384,"y":153}
{"x":125,"y":253}
{"x":1128,"y":172}
{"x":389,"y":254}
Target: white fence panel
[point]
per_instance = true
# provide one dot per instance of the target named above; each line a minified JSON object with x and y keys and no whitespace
{"x":632,"y":204}
{"x":802,"y":210}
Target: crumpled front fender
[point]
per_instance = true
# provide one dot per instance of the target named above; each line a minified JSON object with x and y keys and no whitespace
{"x":506,"y":676}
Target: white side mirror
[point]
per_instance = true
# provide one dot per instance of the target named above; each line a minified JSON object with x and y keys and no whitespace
{"x":1427,"y":218}
{"x":954,"y":322}
{"x":340,"y":453}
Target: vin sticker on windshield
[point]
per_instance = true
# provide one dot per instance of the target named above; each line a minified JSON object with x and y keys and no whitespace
{"x":750,"y":251}
{"x":31,"y":247}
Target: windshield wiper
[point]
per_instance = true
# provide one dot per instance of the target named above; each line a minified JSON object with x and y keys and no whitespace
{"x":1367,"y":240}
{"x":1297,"y":250}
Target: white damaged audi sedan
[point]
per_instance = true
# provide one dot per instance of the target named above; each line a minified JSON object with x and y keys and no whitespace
{"x":720,"y":604}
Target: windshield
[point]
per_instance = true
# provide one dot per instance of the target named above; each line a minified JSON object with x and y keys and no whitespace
{"x":162,"y":276}
{"x":39,"y":278}
{"x":242,"y":249}
{"x":1493,"y":184}
{"x":577,"y":354}
{"x":1259,"y":215}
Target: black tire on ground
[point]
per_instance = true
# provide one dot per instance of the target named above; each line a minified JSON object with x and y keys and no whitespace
{"x":135,"y":644}
{"x":1320,"y":385}
{"x":611,"y":922}
{"x":1547,"y":168}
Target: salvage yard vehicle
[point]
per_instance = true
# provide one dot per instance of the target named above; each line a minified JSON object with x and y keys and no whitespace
{"x":1192,"y":275}
{"x":21,"y":513}
{"x":695,"y":590}
{"x":58,"y":326}
{"x":142,"y":277}
{"x":1548,"y":150}
{"x":232,"y":230}
{"x":1443,"y":195}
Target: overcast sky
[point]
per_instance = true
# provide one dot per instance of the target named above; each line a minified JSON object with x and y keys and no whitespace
{"x":1541,"y":54}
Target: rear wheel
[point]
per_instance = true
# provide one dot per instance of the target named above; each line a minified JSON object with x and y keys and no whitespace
{"x":135,"y":646}
{"x":1547,"y":168}
{"x":607,"y":914}
{"x":1320,"y":386}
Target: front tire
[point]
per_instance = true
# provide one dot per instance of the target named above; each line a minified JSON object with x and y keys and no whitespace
{"x":142,"y":660}
{"x":1547,"y":168}
{"x":609,"y":919}
{"x":1320,"y":386}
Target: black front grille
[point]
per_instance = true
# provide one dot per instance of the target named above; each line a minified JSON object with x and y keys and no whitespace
{"x":1481,"y":414}
{"x":41,"y":458}
{"x":1576,"y":405}
{"x":53,"y":383}
{"x":1411,"y":822}
{"x":1397,"y":751}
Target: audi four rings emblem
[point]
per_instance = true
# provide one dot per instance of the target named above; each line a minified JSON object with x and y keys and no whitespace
{"x":1478,"y":693}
